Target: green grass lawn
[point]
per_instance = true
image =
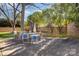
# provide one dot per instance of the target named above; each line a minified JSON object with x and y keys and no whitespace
{"x":6,"y":35}
{"x":60,"y":35}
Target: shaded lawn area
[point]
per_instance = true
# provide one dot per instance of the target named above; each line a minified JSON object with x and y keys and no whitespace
{"x":54,"y":35}
{"x":6,"y":35}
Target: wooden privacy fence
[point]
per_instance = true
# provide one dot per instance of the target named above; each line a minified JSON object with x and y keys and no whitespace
{"x":54,"y":31}
{"x":71,"y":30}
{"x":8,"y":29}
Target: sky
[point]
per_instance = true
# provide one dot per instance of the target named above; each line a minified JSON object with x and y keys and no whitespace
{"x":32,"y":9}
{"x":28,"y":11}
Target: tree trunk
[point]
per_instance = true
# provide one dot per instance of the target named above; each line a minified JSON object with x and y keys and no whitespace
{"x":14,"y":22}
{"x":37,"y":28}
{"x":60,"y":30}
{"x":50,"y":27}
{"x":66,"y":27}
{"x":34,"y":29}
{"x":31,"y":26}
{"x":22,"y":17}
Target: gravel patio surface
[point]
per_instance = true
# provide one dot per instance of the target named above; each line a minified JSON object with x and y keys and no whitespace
{"x":49,"y":47}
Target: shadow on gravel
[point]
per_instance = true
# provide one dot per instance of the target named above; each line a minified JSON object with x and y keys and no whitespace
{"x":58,"y":47}
{"x":70,"y":41}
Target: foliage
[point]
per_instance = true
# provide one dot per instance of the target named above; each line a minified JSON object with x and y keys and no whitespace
{"x":6,"y":23}
{"x":36,"y":17}
{"x":58,"y":14}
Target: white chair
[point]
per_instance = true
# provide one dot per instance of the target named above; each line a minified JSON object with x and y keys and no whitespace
{"x":24,"y":36}
{"x":35,"y":37}
{"x":29,"y":37}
